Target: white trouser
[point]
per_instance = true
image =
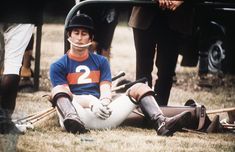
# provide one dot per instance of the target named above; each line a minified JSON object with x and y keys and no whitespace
{"x":16,"y":40}
{"x":121,"y":108}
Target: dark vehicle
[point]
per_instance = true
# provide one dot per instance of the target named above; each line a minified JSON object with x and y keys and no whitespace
{"x":214,"y":36}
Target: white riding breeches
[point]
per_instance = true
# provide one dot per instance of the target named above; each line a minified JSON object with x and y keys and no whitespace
{"x":16,"y":40}
{"x":121,"y":107}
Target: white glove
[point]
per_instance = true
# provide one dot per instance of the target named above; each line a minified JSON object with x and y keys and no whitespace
{"x":100,"y":110}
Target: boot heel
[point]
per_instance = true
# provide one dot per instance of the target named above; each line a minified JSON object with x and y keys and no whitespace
{"x":74,"y":126}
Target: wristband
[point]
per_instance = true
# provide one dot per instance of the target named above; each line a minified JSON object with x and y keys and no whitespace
{"x":106,"y":98}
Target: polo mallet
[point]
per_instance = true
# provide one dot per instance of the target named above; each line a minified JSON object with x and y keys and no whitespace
{"x":119,"y":75}
{"x":31,"y":120}
{"x":220,"y":110}
{"x":128,"y":85}
{"x":226,"y":123}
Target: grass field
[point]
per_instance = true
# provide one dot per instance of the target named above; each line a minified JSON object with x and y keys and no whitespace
{"x":48,"y":136}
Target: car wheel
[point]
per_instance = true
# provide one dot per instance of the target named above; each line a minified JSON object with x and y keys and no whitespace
{"x":216,"y":55}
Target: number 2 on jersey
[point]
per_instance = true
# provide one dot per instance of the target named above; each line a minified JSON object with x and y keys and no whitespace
{"x":85,"y":73}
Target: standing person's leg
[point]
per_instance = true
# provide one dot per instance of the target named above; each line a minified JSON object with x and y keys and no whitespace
{"x":17,"y":38}
{"x":145,"y":43}
{"x":106,"y":24}
{"x":105,"y":20}
{"x":167,"y":54}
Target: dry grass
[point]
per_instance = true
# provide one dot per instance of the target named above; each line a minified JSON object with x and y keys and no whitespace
{"x":49,"y":137}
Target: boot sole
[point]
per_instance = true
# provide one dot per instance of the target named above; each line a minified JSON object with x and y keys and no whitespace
{"x":74,"y":126}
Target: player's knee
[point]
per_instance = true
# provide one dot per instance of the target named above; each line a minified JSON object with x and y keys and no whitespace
{"x":138,"y":91}
{"x":60,"y":91}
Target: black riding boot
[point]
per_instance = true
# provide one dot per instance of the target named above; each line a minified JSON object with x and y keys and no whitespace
{"x":8,"y":92}
{"x":165,"y":126}
{"x":72,"y":122}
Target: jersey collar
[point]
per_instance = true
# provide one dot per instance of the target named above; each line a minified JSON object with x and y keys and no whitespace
{"x":77,"y":58}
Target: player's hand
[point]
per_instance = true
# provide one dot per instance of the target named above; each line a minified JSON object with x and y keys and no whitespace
{"x":175,"y":4}
{"x":100,"y":110}
{"x":164,"y":4}
{"x":169,"y":4}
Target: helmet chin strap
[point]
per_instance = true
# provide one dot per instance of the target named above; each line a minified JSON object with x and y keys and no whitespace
{"x":80,"y":46}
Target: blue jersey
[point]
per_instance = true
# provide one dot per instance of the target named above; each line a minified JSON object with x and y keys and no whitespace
{"x":82,"y":75}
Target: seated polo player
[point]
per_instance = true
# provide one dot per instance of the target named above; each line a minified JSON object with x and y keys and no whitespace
{"x":81,"y":90}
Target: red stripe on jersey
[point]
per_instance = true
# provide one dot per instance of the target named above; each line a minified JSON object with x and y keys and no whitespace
{"x":83,"y":77}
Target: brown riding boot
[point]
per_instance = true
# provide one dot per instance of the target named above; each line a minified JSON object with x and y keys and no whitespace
{"x":72,"y":122}
{"x":165,"y":126}
{"x":26,"y":64}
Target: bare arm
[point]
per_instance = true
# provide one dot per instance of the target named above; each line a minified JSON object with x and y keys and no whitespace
{"x":105,"y":93}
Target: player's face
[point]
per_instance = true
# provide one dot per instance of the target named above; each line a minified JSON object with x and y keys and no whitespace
{"x":80,"y":36}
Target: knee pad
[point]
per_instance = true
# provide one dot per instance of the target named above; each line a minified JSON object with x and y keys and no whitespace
{"x":139,"y":90}
{"x":60,"y":91}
